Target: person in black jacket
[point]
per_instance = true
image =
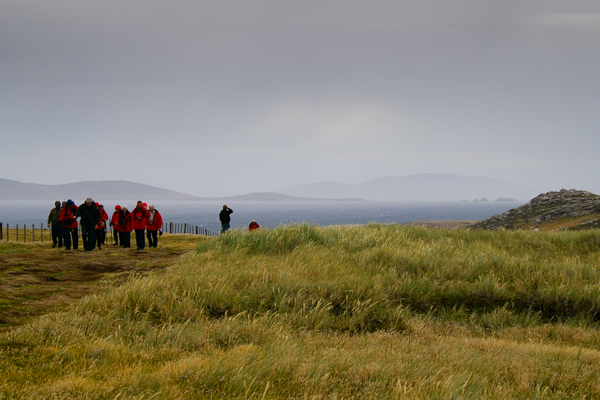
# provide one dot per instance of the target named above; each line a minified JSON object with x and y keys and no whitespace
{"x":90,"y":217}
{"x":57,"y":227}
{"x":224,"y":217}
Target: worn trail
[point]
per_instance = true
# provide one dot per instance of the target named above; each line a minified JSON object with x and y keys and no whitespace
{"x":36,"y":279}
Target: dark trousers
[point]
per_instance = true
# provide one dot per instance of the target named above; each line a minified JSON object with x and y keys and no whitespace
{"x":152,"y":238}
{"x":140,"y":241}
{"x":125,"y":238}
{"x":57,"y":235}
{"x":100,"y":237}
{"x":116,"y":236}
{"x":71,"y":233}
{"x":88,"y":233}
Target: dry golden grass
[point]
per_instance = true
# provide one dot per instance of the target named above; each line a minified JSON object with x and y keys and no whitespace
{"x":36,"y":279}
{"x":372,"y":312}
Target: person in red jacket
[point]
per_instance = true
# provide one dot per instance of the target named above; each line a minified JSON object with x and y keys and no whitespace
{"x":154,"y":225}
{"x":124,"y":226}
{"x":253,"y":226}
{"x":101,"y":229}
{"x":139,"y":220}
{"x":67,"y":217}
{"x":114,"y":223}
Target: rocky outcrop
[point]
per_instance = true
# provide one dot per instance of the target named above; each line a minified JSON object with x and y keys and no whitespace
{"x":562,"y":210}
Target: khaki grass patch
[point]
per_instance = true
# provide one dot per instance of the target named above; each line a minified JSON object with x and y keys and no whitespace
{"x":302,"y":312}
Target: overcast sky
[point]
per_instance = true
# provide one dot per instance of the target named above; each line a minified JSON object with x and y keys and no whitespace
{"x":217,"y":98}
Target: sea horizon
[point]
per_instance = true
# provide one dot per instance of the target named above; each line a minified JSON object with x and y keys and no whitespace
{"x":270,"y":214}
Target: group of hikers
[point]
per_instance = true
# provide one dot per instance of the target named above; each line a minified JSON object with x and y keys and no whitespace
{"x":144,"y":220}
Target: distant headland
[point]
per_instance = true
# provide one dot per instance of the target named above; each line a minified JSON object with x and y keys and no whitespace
{"x":14,"y":190}
{"x":412,"y":188}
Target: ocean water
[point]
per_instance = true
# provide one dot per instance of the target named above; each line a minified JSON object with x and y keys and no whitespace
{"x":270,"y":214}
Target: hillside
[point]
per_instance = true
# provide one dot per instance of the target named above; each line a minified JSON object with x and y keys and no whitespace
{"x":420,"y":187}
{"x":14,"y":190}
{"x":562,"y":210}
{"x":302,"y":312}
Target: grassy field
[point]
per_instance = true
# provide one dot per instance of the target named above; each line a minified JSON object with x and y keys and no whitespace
{"x":301,"y":312}
{"x":36,"y":279}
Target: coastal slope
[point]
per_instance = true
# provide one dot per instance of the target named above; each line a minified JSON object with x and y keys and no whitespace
{"x":559,"y":210}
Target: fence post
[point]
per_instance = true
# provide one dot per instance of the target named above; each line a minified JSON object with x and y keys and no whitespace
{"x":7,"y":233}
{"x":170,"y":227}
{"x":1,"y":231}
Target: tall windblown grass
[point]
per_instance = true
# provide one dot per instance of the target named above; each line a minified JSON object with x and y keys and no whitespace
{"x":376,"y":311}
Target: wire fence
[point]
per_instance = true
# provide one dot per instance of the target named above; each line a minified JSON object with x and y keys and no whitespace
{"x":32,"y":233}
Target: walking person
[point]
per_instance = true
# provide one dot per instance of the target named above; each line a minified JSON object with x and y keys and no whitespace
{"x":224,"y":217}
{"x":114,"y":223}
{"x":57,"y":228}
{"x":90,"y":219}
{"x":154,"y":225}
{"x":70,"y":225}
{"x":125,"y":227}
{"x":101,"y":229}
{"x":139,"y":219}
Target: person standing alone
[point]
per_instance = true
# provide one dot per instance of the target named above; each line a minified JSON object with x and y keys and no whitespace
{"x":54,"y":219}
{"x":224,"y":217}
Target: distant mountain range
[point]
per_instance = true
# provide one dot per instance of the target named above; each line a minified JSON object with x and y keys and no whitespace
{"x":422,"y":187}
{"x":79,"y":191}
{"x":273,"y":196}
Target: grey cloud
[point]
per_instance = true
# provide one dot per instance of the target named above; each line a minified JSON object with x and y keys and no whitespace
{"x":377,"y":88}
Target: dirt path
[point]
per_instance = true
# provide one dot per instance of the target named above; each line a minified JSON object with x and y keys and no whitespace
{"x":36,"y":279}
